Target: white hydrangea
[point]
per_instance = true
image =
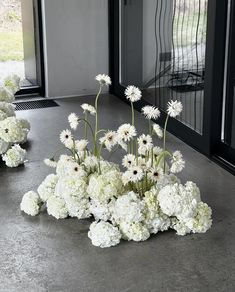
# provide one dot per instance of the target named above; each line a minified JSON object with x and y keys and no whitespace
{"x":134,"y":231}
{"x":167,"y":179}
{"x":7,"y":108}
{"x":106,"y":166}
{"x":78,"y":207}
{"x":91,"y":163}
{"x":3,"y":115}
{"x":6,"y":95}
{"x":202,"y":221}
{"x":63,"y":165}
{"x":56,"y":207}
{"x":71,"y":186}
{"x":14,"y":156}
{"x":128,"y":208}
{"x":104,"y":234}
{"x":100,"y":211}
{"x":11,"y":130}
{"x":47,"y":187}
{"x":180,"y":227}
{"x":25,"y":124}
{"x":12,"y":82}
{"x":155,"y":220}
{"x":178,"y":200}
{"x":3,"y":146}
{"x":105,"y":186}
{"x":30,"y":203}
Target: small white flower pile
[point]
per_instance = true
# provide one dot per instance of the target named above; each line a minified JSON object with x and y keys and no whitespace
{"x":145,"y":199}
{"x":13,"y":131}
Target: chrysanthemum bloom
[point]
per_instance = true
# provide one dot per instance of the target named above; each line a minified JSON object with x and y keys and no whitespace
{"x":103,"y":79}
{"x":87,"y":108}
{"x":151,"y":112}
{"x":174,"y":108}
{"x":109,"y":140}
{"x":133,"y":93}
{"x":126,"y":132}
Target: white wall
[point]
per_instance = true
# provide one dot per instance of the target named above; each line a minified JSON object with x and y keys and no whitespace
{"x":76,"y":45}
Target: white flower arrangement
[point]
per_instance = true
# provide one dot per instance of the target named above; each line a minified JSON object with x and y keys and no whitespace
{"x":13,"y":131}
{"x":144,"y":199}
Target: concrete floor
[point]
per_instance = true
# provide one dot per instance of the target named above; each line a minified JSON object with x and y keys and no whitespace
{"x":43,"y":254}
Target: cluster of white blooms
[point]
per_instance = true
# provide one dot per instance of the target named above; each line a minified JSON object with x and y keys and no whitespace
{"x":13,"y":131}
{"x":146,"y":198}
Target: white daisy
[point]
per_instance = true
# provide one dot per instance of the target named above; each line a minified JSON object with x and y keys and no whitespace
{"x":145,"y":165}
{"x":73,"y":121}
{"x":129,"y":160}
{"x":135,"y":174}
{"x":151,"y":112}
{"x":174,"y":108}
{"x":157,"y":150}
{"x":157,"y":129}
{"x":126,"y":132}
{"x":133,"y":93}
{"x":80,"y":145}
{"x":126,"y":177}
{"x":177,"y":162}
{"x":88,"y":108}
{"x":103,"y":79}
{"x":145,"y":143}
{"x":155,"y":174}
{"x":109,"y":140}
{"x":66,"y":138}
{"x":50,"y":162}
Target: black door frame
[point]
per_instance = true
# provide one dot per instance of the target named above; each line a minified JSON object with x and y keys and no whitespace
{"x":37,"y":90}
{"x":207,"y":143}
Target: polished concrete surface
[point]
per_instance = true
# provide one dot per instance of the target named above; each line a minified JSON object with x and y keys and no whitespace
{"x":43,"y":254}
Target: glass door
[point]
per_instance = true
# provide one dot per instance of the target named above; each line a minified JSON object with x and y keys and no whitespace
{"x":173,"y":49}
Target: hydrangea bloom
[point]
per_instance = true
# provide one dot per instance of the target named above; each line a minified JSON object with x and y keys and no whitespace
{"x":56,"y":207}
{"x":14,"y":156}
{"x":47,"y":187}
{"x":104,"y":234}
{"x":30,"y":203}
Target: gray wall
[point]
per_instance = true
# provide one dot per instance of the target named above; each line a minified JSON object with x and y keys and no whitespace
{"x":76,"y":45}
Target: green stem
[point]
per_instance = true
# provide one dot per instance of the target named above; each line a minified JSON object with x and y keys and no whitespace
{"x":132,"y":114}
{"x":150,"y":128}
{"x":164,"y":142}
{"x":85,"y":125}
{"x":115,"y":150}
{"x":96,"y":118}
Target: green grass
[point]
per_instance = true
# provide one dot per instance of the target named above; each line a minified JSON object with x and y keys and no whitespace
{"x":11,"y":46}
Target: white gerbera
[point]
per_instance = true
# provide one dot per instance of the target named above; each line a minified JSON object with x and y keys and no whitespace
{"x":129,"y":160}
{"x":126,"y":132}
{"x":109,"y":140}
{"x":151,"y":112}
{"x":81,"y":145}
{"x":143,"y":163}
{"x":66,"y":138}
{"x":158,"y":131}
{"x":50,"y":162}
{"x":103,"y":79}
{"x":30,"y":203}
{"x":174,"y":108}
{"x":177,"y":162}
{"x":14,"y":156}
{"x":104,"y":234}
{"x":73,"y":121}
{"x":133,"y":93}
{"x":87,"y":108}
{"x":145,"y":143}
{"x":157,"y":150}
{"x":135,"y":173}
{"x":154,"y":174}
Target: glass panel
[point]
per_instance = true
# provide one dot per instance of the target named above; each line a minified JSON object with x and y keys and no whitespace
{"x":17,"y":40}
{"x":162,"y":51}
